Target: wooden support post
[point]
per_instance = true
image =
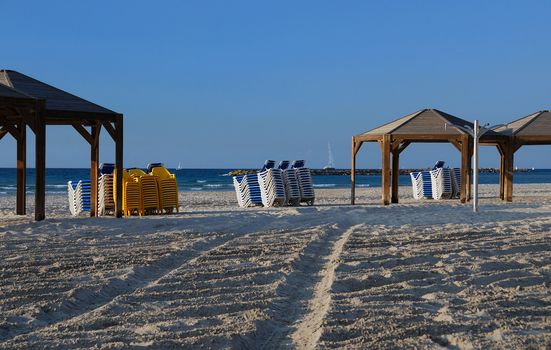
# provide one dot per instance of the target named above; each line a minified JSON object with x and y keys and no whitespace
{"x":509,"y":168}
{"x":94,"y":157}
{"x":395,"y":172}
{"x":464,"y":168}
{"x":118,"y":164}
{"x":21,"y":168}
{"x":500,"y":149}
{"x":385,"y":171}
{"x":353,"y":174}
{"x":40,"y":171}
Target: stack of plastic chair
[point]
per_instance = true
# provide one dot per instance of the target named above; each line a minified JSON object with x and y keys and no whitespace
{"x":79,"y":196}
{"x":247,"y":190}
{"x":131,"y":196}
{"x":106,"y":198}
{"x":167,"y":186}
{"x":456,"y":181}
{"x":292,"y":188}
{"x":417,"y":184}
{"x":304,"y":178}
{"x":441,"y":181}
{"x":149,"y":192}
{"x":272,"y":188}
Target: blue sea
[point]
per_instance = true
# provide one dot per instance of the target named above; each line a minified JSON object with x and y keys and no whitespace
{"x":217,"y":180}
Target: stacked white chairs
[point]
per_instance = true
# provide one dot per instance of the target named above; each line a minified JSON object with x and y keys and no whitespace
{"x":304,"y":178}
{"x":441,"y":181}
{"x":106,"y":200}
{"x":456,"y":181}
{"x":79,"y":196}
{"x":272,"y":186}
{"x":247,"y":190}
{"x":292,"y":188}
{"x":417,"y":184}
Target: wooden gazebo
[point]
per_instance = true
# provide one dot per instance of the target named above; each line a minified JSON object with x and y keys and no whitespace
{"x":52,"y":106}
{"x":534,"y":129}
{"x":426,"y":125}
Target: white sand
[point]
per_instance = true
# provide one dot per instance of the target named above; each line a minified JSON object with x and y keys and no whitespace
{"x":419,"y":274}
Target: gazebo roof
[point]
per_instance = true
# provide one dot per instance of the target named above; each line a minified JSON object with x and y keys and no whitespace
{"x":423,"y":122}
{"x":535,"y":124}
{"x":6,"y":91}
{"x":57,"y":100}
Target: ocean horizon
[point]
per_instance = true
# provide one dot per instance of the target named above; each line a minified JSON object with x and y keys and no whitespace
{"x":195,"y":180}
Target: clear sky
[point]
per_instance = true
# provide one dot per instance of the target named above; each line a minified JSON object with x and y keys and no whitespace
{"x":231,"y":83}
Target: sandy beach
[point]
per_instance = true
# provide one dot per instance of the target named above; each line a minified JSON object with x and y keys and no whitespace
{"x":419,"y":274}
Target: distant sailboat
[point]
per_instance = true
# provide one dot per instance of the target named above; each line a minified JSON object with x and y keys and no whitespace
{"x":331,"y":164}
{"x":179,"y":166}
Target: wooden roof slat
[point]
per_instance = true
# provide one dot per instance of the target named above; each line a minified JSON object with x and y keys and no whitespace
{"x":533,"y":125}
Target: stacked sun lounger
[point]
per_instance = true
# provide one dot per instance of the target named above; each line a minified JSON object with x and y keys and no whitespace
{"x":272,"y":186}
{"x":441,"y":182}
{"x":167,"y":187}
{"x":292,"y":188}
{"x":247,"y":190}
{"x":79,"y":196}
{"x":438,"y":183}
{"x":106,"y":201}
{"x":304,"y":178}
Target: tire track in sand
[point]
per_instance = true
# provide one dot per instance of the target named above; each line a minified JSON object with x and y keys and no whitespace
{"x":304,"y":297}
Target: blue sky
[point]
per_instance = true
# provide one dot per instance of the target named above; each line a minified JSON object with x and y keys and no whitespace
{"x":231,"y":83}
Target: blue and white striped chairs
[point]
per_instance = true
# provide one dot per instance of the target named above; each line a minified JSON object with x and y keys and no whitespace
{"x":79,"y":196}
{"x":456,"y":181}
{"x":272,"y":187}
{"x":106,"y":201}
{"x":304,"y":178}
{"x":292,"y":188}
{"x":441,"y":181}
{"x":247,"y":190}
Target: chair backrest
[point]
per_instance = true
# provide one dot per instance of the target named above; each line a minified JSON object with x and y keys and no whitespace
{"x":150,"y":166}
{"x":283,"y":165}
{"x":136,"y":172}
{"x":106,"y":168}
{"x":298,"y":164}
{"x":439,"y":164}
{"x":268,"y":164}
{"x":161,"y":172}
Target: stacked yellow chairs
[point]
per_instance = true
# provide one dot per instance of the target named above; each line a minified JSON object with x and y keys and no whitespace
{"x":131,"y":197}
{"x":168,"y":189}
{"x":149,"y":192}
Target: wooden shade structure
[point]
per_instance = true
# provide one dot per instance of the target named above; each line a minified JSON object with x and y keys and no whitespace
{"x":426,"y":125}
{"x":53,"y":106}
{"x":533,"y":129}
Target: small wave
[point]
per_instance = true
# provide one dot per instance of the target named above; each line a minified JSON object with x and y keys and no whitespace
{"x":364,"y":185}
{"x":214,"y":185}
{"x":325,"y":185}
{"x":201,"y":181}
{"x":8,"y":187}
{"x":57,"y":186}
{"x":3,"y":192}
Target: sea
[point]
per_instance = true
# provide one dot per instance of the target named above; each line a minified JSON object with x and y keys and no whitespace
{"x":218,"y":180}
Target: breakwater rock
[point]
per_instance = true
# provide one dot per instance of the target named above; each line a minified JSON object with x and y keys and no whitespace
{"x":346,"y":172}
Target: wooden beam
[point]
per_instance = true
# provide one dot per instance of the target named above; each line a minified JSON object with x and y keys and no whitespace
{"x":403,"y":146}
{"x":118,"y":164}
{"x":94,"y":157}
{"x":82,"y":131}
{"x":11,"y":129}
{"x":110,"y":129}
{"x":385,"y":171}
{"x":395,"y":174}
{"x":509,"y":166}
{"x":501,"y":150}
{"x":464,"y":168}
{"x":21,"y":169}
{"x":2,"y":133}
{"x":456,"y":144}
{"x":40,"y":171}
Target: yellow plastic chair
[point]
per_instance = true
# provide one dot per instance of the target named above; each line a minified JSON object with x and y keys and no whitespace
{"x":149,"y":192}
{"x":130,"y":193}
{"x":168,"y":189}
